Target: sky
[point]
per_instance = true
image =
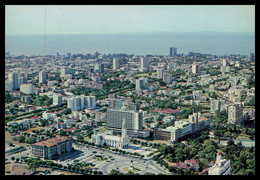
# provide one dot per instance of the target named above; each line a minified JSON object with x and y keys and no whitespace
{"x":79,"y":19}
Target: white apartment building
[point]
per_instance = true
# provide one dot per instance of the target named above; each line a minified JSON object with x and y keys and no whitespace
{"x":42,"y":76}
{"x":115,"y":104}
{"x":172,"y":66}
{"x":235,"y":114}
{"x":167,"y":78}
{"x":221,"y":166}
{"x":13,"y":77}
{"x":66,"y":70}
{"x":27,"y":88}
{"x":195,"y":69}
{"x":57,"y":99}
{"x":115,"y":63}
{"x":145,"y":63}
{"x":80,"y":102}
{"x":160,"y":73}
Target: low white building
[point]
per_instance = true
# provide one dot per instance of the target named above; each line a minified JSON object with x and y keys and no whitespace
{"x":110,"y":140}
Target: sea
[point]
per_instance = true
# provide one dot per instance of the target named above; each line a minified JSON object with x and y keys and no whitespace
{"x":155,"y":43}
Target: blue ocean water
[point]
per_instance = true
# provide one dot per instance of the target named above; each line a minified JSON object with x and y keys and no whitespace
{"x":133,"y":43}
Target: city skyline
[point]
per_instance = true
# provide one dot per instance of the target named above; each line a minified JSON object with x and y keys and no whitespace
{"x":74,"y":19}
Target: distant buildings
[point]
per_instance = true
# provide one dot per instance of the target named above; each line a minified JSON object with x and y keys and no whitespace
{"x":115,"y":104}
{"x":42,"y":76}
{"x":173,"y":51}
{"x":81,"y":102}
{"x":144,"y":64}
{"x":27,"y":88}
{"x":66,"y":70}
{"x":235,"y":114}
{"x":160,"y":73}
{"x":217,"y":105}
{"x":250,"y":57}
{"x":195,"y":69}
{"x":99,"y":68}
{"x":221,"y":166}
{"x":140,"y":84}
{"x":115,"y":63}
{"x":172,"y":66}
{"x":167,"y":78}
{"x":13,"y":79}
{"x":57,"y":99}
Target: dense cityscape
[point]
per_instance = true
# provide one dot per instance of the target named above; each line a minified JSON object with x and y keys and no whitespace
{"x":126,"y":114}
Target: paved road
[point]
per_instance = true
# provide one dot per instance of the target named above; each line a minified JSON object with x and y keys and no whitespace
{"x":120,"y":161}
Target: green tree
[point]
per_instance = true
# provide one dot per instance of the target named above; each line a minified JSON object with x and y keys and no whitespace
{"x":115,"y":172}
{"x":67,"y":111}
{"x":21,"y":139}
{"x":13,"y":158}
{"x":30,"y":140}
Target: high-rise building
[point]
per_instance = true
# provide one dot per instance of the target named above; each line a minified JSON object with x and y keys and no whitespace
{"x":8,"y":85}
{"x":145,"y":64}
{"x":57,"y":99}
{"x":115,"y":63}
{"x":99,"y":68}
{"x":7,"y":53}
{"x":139,"y":84}
{"x":173,"y":51}
{"x":115,"y":103}
{"x":27,"y":88}
{"x":221,"y":166}
{"x":42,"y":76}
{"x":167,"y":78}
{"x":172,"y":66}
{"x":80,"y":102}
{"x":217,"y":105}
{"x":250,"y":57}
{"x":13,"y":77}
{"x":160,"y":73}
{"x":134,"y":119}
{"x":195,"y":69}
{"x":224,"y":62}
{"x":66,"y":70}
{"x":132,"y":106}
{"x":235,"y":114}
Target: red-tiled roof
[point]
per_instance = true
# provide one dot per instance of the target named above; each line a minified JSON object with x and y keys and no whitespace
{"x":51,"y":141}
{"x":34,"y":118}
{"x":157,"y":110}
{"x":181,"y":165}
{"x":191,"y":161}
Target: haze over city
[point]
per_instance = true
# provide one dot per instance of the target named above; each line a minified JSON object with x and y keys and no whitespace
{"x":75,"y":19}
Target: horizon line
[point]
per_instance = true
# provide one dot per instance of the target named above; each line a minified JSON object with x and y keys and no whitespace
{"x":137,"y":32}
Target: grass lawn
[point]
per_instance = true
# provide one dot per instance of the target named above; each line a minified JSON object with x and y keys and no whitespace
{"x":243,"y":136}
{"x":126,"y":169}
{"x":86,"y":138}
{"x":8,"y":138}
{"x":169,"y":163}
{"x":102,"y":129}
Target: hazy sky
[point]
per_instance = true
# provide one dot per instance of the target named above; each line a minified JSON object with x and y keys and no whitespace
{"x":74,"y":19}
